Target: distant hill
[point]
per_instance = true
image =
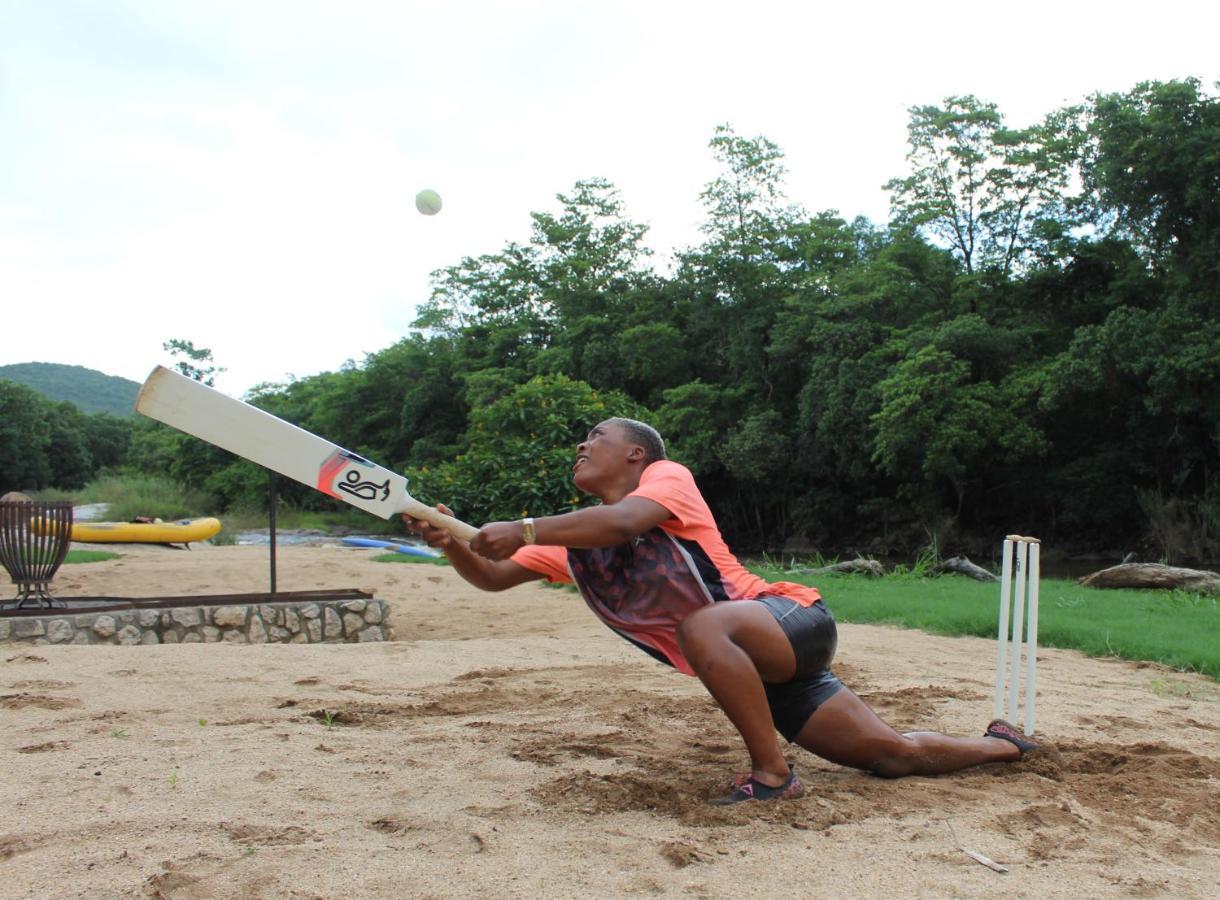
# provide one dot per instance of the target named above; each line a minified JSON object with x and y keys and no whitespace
{"x":90,"y":390}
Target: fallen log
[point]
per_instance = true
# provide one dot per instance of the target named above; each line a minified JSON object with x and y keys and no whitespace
{"x":1153,"y":575}
{"x":963,"y":566}
{"x":851,"y":566}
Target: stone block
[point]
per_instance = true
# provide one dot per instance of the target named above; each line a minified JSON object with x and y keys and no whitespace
{"x":150,"y":637}
{"x":82,"y":637}
{"x":374,"y":612}
{"x":257,"y":632}
{"x":104,"y":626}
{"x":331,"y":626}
{"x":278,"y":635}
{"x":129,"y":635}
{"x":292,"y":620}
{"x":311,"y":611}
{"x":352,"y":623}
{"x":372,"y":633}
{"x":169,"y":637}
{"x":148,"y":618}
{"x":59,"y":631}
{"x":188,"y":617}
{"x":230,"y":616}
{"x":6,"y":629}
{"x":26,"y":628}
{"x":210,"y":634}
{"x":355,"y":606}
{"x":234,"y":637}
{"x":313,"y":629}
{"x":192,"y":638}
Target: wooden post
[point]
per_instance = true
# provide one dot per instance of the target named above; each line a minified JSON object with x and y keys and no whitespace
{"x":273,"y":502}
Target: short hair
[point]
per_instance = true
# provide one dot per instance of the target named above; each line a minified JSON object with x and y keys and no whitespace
{"x":643,"y":434}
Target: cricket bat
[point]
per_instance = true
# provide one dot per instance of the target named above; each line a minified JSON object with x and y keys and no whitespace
{"x":282,"y":447}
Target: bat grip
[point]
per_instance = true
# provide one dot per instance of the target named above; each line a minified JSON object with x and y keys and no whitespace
{"x":455,"y":527}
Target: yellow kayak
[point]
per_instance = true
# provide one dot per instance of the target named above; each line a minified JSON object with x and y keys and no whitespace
{"x":181,"y":532}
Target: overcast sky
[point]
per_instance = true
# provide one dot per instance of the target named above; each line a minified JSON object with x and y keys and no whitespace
{"x":242,"y":174}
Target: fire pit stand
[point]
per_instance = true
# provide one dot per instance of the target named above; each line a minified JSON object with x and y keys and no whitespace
{"x":34,"y":538}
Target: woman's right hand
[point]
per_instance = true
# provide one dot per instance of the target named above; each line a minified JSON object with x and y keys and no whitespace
{"x":437,"y":538}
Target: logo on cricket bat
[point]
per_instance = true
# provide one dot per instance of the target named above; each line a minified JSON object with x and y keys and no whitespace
{"x":353,"y":483}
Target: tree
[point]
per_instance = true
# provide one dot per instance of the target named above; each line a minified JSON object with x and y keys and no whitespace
{"x":735,"y":282}
{"x":692,"y":419}
{"x":1151,"y":160}
{"x":68,"y":453}
{"x":25,"y":439}
{"x":518,"y":451}
{"x":746,"y":202}
{"x":985,"y":191}
{"x":108,"y":439}
{"x":193,"y":362}
{"x":937,"y":426}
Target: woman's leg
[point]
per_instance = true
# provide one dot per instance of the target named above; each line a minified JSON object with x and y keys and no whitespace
{"x":733,"y":648}
{"x":846,"y":731}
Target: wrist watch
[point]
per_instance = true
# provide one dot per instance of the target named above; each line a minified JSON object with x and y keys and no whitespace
{"x":527,"y":529}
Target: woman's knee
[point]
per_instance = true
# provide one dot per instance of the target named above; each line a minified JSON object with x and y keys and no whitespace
{"x":896,"y":759}
{"x":697,"y":632}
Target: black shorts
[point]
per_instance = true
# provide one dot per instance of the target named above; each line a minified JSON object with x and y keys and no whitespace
{"x":811,"y":631}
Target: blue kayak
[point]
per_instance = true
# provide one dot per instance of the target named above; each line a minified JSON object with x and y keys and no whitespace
{"x":390,"y":545}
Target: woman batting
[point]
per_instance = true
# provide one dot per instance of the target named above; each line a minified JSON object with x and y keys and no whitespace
{"x":650,"y":562}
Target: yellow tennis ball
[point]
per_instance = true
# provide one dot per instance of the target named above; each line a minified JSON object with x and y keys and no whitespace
{"x":428,"y":202}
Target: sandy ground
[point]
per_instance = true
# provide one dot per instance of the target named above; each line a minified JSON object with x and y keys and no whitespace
{"x":508,"y":745}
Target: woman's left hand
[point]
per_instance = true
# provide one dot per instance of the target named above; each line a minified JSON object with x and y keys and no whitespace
{"x":498,"y":540}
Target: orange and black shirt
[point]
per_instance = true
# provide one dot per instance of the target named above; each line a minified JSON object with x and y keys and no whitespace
{"x":644,"y":588}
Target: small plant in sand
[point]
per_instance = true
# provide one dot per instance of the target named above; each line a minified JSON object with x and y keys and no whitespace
{"x":118,"y":732}
{"x":1167,"y":687}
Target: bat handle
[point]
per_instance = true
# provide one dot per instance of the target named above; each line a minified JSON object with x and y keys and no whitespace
{"x":455,"y":527}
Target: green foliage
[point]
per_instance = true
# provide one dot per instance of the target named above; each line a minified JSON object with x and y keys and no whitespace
{"x":692,"y":419}
{"x":25,"y":438}
{"x":131,"y":495}
{"x":87,"y":389}
{"x":517,"y":458}
{"x":1029,"y":346}
{"x":988,"y":192}
{"x":191,"y":361}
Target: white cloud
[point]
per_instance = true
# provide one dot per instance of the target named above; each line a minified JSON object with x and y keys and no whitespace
{"x":241,"y":175}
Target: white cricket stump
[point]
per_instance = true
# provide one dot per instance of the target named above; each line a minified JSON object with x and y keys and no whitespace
{"x":1019,"y":579}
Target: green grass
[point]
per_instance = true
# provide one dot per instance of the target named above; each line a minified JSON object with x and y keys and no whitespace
{"x":1175,"y":628}
{"x":46,"y":554}
{"x":88,"y":556}
{"x":131,"y":495}
{"x":408,"y":558}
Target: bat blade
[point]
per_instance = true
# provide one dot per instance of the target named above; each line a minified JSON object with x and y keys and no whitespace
{"x":257,"y":435}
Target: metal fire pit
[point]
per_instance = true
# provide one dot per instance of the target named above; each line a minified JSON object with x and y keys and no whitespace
{"x":34,"y":540}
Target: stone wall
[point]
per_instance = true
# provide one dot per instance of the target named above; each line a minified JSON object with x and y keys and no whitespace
{"x":311,"y":622}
